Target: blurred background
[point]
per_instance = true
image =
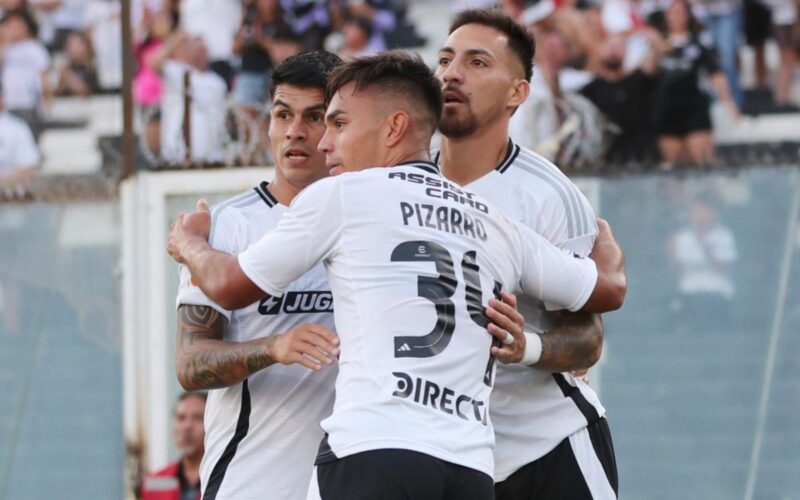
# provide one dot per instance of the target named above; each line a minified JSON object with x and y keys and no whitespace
{"x":115,"y":116}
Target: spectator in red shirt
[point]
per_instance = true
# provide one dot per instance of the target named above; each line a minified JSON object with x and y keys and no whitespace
{"x":181,"y":480}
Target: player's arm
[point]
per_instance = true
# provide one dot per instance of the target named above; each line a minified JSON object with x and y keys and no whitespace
{"x":205,"y":361}
{"x":216,"y":273}
{"x":612,"y":283}
{"x":575,"y":344}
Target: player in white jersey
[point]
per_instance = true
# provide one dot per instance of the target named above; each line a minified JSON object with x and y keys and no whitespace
{"x":411,"y":259}
{"x":262,"y":421}
{"x":552,"y":441}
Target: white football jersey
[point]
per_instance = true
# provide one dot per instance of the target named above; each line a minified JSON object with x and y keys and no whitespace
{"x":262,"y":435}
{"x":412,"y":260}
{"x":534,"y":410}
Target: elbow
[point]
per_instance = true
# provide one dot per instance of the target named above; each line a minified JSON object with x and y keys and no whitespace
{"x":182,"y":372}
{"x":618,"y":288}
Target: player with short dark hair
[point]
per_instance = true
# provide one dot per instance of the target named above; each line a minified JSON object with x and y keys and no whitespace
{"x":552,"y":439}
{"x":263,"y":419}
{"x":411,"y":259}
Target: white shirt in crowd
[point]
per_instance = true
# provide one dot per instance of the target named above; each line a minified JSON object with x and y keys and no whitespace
{"x":283,"y":404}
{"x":17,"y":146}
{"x":207,"y":117}
{"x":703,"y":261}
{"x":412,"y":260}
{"x":102,"y":19}
{"x":215,"y":21}
{"x":22,"y":66}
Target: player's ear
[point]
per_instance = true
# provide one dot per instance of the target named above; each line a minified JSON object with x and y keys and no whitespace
{"x":519,"y":92}
{"x":396,"y":127}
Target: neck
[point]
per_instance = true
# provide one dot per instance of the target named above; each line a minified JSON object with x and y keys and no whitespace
{"x":406,"y":155}
{"x":191,"y":468}
{"x":465,"y":160}
{"x":283,"y":190}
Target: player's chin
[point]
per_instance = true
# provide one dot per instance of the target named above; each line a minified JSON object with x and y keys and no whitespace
{"x":335,"y":169}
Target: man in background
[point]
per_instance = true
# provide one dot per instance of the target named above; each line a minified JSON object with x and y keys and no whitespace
{"x":180,"y":480}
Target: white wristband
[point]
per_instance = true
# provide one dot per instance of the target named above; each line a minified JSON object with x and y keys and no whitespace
{"x":533,"y":349}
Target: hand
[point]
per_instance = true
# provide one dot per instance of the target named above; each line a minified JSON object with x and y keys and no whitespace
{"x":581,"y":374}
{"x":507,"y":326}
{"x":188,"y":228}
{"x":309,"y":345}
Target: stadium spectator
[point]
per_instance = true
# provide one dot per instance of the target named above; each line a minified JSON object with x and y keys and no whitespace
{"x":253,"y":43}
{"x":199,"y":135}
{"x":102,"y":18}
{"x":786,"y":32}
{"x":147,"y":85}
{"x":25,"y":63}
{"x":682,"y":105}
{"x":723,"y":19}
{"x":624,"y":98}
{"x":757,"y":26}
{"x":77,"y":75}
{"x":180,"y":480}
{"x":357,"y":33}
{"x":381,"y":16}
{"x":58,"y":19}
{"x":9,"y":5}
{"x":704,"y":252}
{"x":310,"y":20}
{"x":216,"y":23}
{"x":19,"y":156}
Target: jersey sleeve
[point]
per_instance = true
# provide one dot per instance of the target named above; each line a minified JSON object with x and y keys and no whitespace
{"x":222,"y":237}
{"x":560,"y":278}
{"x":307,"y":233}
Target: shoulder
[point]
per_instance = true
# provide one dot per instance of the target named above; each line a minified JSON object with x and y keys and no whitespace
{"x":539,"y":175}
{"x":229,"y":214}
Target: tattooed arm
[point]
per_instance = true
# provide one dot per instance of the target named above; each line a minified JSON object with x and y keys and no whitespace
{"x":205,"y":361}
{"x":575,"y":344}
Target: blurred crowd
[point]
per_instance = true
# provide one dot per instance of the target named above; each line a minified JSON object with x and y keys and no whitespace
{"x":633,"y":81}
{"x":616,"y":81}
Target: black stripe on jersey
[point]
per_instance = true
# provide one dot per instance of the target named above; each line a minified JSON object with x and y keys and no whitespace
{"x":600,"y":435}
{"x":265,"y":195}
{"x":511,"y":154}
{"x":586,"y":408}
{"x":423,"y":165}
{"x":242,"y":426}
{"x":325,"y":454}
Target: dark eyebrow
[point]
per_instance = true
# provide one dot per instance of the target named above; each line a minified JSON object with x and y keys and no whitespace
{"x":316,"y":107}
{"x":278,"y":102}
{"x":479,"y":52}
{"x":449,"y":50}
{"x":333,"y":114}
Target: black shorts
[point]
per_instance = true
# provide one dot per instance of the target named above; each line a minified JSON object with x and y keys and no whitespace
{"x":679,"y":119}
{"x":757,"y":22}
{"x":581,"y":467}
{"x":400,"y":475}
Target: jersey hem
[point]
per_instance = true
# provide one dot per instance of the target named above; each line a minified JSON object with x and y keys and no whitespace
{"x":486,"y":468}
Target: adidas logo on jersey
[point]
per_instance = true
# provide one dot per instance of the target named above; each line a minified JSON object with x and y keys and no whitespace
{"x":296,"y":303}
{"x":404,"y":347}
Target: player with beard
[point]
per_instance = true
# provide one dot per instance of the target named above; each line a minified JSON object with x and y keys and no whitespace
{"x":411,"y":259}
{"x":552,"y":439}
{"x":262,"y":418}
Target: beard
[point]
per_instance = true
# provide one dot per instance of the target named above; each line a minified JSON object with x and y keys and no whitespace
{"x":613,"y":64}
{"x":453,"y":127}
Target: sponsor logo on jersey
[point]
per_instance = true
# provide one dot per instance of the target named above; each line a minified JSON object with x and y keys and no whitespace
{"x":430,"y":394}
{"x":297,"y":303}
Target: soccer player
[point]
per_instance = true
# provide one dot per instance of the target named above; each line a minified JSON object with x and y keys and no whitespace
{"x":262,"y":422}
{"x":552,"y":440}
{"x":411,"y":259}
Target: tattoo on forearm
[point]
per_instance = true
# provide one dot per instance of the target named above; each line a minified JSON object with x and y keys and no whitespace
{"x":204,"y":360}
{"x":573,"y":345}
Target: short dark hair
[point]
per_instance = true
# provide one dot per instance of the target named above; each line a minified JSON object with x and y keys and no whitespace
{"x":394,"y":72}
{"x":192,"y":394}
{"x":520,"y":39}
{"x":26,"y":17}
{"x":307,"y":69}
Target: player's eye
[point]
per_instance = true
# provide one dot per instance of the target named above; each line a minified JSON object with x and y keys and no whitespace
{"x":283,"y":115}
{"x":479,"y":63}
{"x":444,"y":61}
{"x":316,"y":117}
{"x":338,"y":123}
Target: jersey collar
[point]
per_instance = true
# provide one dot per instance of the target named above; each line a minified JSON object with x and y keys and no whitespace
{"x":427,"y":166}
{"x":265,"y":195}
{"x":512,"y":150}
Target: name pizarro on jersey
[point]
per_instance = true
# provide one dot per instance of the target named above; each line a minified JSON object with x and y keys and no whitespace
{"x":444,"y":399}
